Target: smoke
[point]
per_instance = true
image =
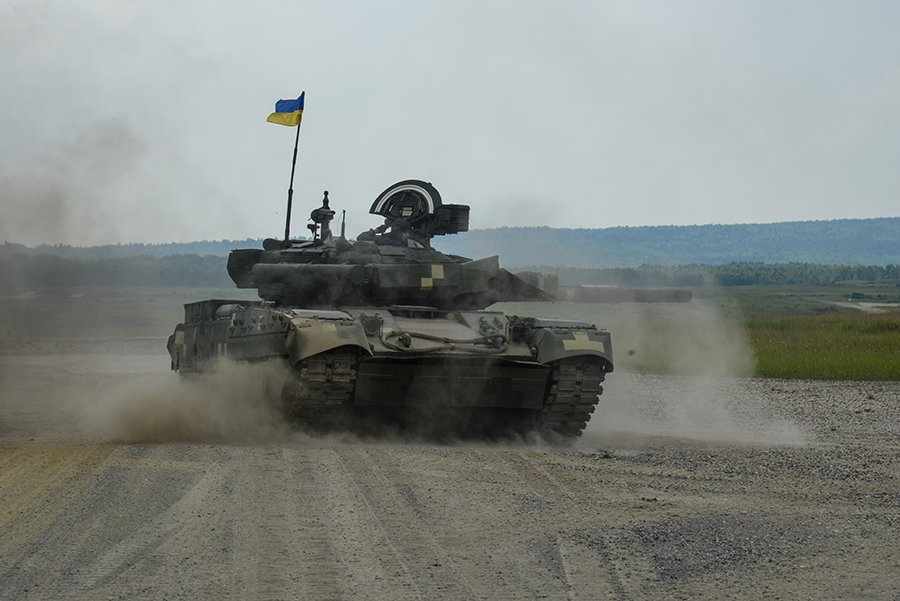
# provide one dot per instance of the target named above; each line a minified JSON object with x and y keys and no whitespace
{"x":67,"y":195}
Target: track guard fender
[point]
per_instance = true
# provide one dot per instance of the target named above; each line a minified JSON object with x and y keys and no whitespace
{"x":310,"y":336}
{"x":554,"y":345}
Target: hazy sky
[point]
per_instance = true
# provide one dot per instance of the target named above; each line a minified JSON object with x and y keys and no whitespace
{"x":145,"y":121}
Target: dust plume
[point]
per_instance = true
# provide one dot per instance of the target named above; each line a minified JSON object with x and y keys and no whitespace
{"x":636,"y":408}
{"x":236,"y":402}
{"x":706,"y":393}
{"x":71,"y":194}
{"x":94,"y":368}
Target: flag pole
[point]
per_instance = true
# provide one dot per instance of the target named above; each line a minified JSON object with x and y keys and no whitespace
{"x":287,"y":223}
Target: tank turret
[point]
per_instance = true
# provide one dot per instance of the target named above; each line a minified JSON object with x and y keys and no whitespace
{"x":381,"y":268}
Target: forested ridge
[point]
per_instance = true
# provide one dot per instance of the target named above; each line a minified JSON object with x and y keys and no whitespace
{"x":219,"y":248}
{"x":29,"y":272}
{"x":843,"y":241}
{"x":732,"y":274}
{"x":840,"y":241}
{"x":20,"y":272}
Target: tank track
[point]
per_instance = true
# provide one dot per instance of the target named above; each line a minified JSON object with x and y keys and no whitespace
{"x":571,"y":398}
{"x":319,"y":394}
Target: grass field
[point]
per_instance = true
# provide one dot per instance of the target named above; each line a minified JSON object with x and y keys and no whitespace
{"x":750,"y":301}
{"x":828,"y":347}
{"x":817,"y":332}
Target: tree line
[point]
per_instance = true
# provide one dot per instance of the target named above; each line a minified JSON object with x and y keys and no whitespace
{"x":20,"y":272}
{"x":835,"y":242}
{"x":731,"y":274}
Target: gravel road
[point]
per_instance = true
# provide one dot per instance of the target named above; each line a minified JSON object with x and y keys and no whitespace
{"x":117,"y":481}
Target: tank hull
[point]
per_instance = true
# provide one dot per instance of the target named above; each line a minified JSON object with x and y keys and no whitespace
{"x":527,"y":373}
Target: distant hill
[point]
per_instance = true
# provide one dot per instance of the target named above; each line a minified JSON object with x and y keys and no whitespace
{"x":842,"y":241}
{"x":219,"y":248}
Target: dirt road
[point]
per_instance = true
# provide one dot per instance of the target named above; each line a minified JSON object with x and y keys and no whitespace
{"x":118,"y":482}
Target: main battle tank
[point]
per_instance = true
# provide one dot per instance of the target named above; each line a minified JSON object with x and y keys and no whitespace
{"x":390,"y":325}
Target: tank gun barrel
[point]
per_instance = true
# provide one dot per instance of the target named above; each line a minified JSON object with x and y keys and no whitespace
{"x":620,"y":294}
{"x":604,"y":294}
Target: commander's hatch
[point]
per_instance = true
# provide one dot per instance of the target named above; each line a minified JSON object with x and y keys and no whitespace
{"x":420,"y":204}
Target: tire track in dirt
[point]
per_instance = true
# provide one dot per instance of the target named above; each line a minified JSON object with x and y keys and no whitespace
{"x":310,"y":534}
{"x":37,"y":485}
{"x":416,"y":536}
{"x":291,"y":547}
{"x":579,"y":552}
{"x":152,"y":558}
{"x":374,"y":567}
{"x":100,"y":511}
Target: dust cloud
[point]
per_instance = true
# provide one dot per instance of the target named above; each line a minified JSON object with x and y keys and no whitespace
{"x":119,"y":389}
{"x":636,"y":408}
{"x":236,"y":403}
{"x":706,"y":393}
{"x":71,"y":194}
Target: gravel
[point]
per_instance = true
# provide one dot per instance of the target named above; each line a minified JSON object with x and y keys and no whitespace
{"x":681,"y":488}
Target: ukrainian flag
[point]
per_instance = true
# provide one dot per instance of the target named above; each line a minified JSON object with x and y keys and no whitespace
{"x":288,"y":112}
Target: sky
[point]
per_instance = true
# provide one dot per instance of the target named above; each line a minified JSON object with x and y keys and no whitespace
{"x":133,"y":121}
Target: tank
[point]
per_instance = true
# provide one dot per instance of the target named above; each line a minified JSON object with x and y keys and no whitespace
{"x":387,"y":325}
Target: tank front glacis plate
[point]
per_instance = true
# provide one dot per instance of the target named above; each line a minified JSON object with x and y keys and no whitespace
{"x":415,"y":331}
{"x":441,"y":359}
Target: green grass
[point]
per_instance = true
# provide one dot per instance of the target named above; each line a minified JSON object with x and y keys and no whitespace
{"x":796,"y":331}
{"x":827,"y":347}
{"x":796,"y":300}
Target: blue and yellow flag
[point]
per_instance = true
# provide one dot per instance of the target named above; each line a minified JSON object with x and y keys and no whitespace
{"x":288,"y":112}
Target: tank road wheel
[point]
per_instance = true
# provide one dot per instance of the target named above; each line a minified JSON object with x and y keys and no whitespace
{"x":572,"y":395}
{"x":319,"y":393}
